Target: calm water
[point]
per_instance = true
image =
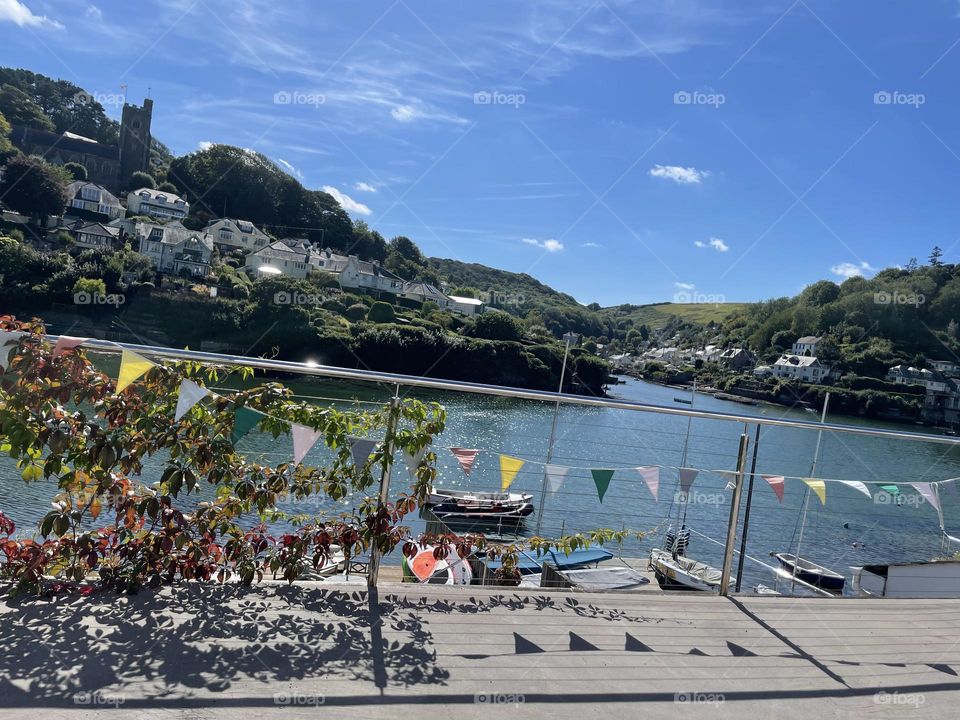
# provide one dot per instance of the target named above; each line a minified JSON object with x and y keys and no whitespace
{"x":614,"y":439}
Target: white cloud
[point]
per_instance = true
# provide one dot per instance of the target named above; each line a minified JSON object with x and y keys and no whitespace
{"x":679,"y":175}
{"x":204,"y":145}
{"x":347,"y":202}
{"x":364,"y":187}
{"x":404,"y":113}
{"x":19,"y":14}
{"x":93,"y":12}
{"x":849,"y":270}
{"x":290,"y":168}
{"x":715,"y":243}
{"x":685,"y":286}
{"x":548,"y":245}
{"x":591,"y":245}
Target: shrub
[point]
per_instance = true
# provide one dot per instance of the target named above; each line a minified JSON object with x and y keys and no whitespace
{"x":495,"y":325}
{"x":90,"y":286}
{"x":356,"y":312}
{"x":381,"y":312}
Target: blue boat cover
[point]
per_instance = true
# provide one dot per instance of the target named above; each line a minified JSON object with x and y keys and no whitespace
{"x":530,"y":563}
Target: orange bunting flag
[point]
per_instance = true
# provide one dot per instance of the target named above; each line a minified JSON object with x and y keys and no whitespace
{"x":465,"y":457}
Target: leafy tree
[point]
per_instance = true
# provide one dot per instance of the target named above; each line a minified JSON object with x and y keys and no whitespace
{"x":168,"y":186}
{"x":820,"y":293}
{"x":92,"y":287}
{"x":76,"y":170}
{"x":7,"y":150}
{"x":19,"y":109}
{"x":141,"y":179}
{"x":34,"y":187}
{"x":495,"y":325}
{"x":936,"y":256}
{"x":381,"y":312}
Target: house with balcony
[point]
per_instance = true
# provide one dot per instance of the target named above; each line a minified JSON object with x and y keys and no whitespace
{"x":174,"y":249}
{"x":801,"y":367}
{"x":369,"y":277}
{"x":278,"y":258}
{"x":157,"y":204}
{"x":97,"y":236}
{"x":931,"y":380}
{"x":94,"y":201}
{"x":230,"y":234}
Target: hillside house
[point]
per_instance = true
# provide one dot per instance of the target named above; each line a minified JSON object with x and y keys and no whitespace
{"x":806,"y":345}
{"x":157,"y":204}
{"x":94,"y":199}
{"x":801,"y":367}
{"x":737,"y":359}
{"x":97,"y":236}
{"x":230,"y":234}
{"x":175,"y":250}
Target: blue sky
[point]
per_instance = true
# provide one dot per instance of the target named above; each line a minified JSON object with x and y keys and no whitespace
{"x":619,"y":151}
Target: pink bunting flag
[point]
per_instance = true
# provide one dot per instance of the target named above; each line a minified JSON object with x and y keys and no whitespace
{"x":65,"y":342}
{"x":651,"y":476}
{"x":304,"y":438}
{"x":776,"y":482}
{"x":687,"y":476}
{"x":465,"y":457}
{"x":928,"y":494}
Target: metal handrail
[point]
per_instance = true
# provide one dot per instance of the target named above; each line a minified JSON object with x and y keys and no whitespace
{"x":330,"y":371}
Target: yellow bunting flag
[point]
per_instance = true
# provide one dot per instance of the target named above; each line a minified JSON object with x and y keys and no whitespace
{"x":509,"y":467}
{"x":819,"y":487}
{"x":132,"y":366}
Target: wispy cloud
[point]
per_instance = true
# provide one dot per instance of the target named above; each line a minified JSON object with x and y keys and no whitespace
{"x":715,"y":243}
{"x":290,"y":168}
{"x":550,"y":245}
{"x":849,"y":270}
{"x":364,"y":187}
{"x":19,"y":14}
{"x":685,"y":286}
{"x":93,"y":12}
{"x":679,"y":175}
{"x":347,"y":202}
{"x":591,"y":245}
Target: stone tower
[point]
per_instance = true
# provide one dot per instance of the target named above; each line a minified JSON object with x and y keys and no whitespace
{"x":134,"y":140}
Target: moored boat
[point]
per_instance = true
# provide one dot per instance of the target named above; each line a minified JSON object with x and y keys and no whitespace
{"x":480,"y":499}
{"x":810,"y":572}
{"x":676,"y":572}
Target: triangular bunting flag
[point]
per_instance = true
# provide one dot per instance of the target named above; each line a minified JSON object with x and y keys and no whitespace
{"x":509,"y":467}
{"x":465,"y":457}
{"x":65,"y":342}
{"x":651,"y":476}
{"x":951,"y":486}
{"x":8,"y":338}
{"x":244,"y":420}
{"x":190,"y":395}
{"x":361,"y":448}
{"x":731,"y":478}
{"x":776,"y":482}
{"x":819,"y":487}
{"x":601,"y":478}
{"x":927,"y":491}
{"x":891,"y":489}
{"x":554,"y":475}
{"x":687,"y":476}
{"x":857,"y":485}
{"x":413,"y":461}
{"x":132,"y":366}
{"x":304,"y":438}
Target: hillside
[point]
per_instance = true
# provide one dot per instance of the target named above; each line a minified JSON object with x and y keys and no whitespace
{"x":658,"y":315}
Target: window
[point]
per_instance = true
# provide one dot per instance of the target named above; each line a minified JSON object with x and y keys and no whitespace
{"x":226,"y":235}
{"x":161,"y":198}
{"x":90,"y":192}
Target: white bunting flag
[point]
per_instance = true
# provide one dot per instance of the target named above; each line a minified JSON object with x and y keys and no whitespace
{"x":304,"y":438}
{"x":651,"y":476}
{"x":413,"y":461}
{"x":554,"y":475}
{"x":361,"y":448}
{"x":928,"y":494}
{"x":687,"y":476}
{"x":731,"y":478}
{"x":857,"y":485}
{"x":190,"y":395}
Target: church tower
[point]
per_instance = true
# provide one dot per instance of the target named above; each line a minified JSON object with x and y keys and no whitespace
{"x":134,"y":140}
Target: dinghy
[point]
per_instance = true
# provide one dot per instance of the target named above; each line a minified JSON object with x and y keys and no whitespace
{"x":440,"y":496}
{"x":810,"y":572}
{"x":682,"y":573}
{"x":530,"y":563}
{"x":480,"y":507}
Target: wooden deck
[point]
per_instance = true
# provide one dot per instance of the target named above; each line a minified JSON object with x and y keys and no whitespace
{"x":427,"y":651}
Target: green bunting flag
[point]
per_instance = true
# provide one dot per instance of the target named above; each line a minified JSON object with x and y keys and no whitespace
{"x":244,"y":421}
{"x":890,"y":489}
{"x":601,"y":478}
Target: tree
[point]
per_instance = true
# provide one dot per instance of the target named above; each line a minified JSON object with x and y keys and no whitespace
{"x":76,"y":170}
{"x":381,"y":312}
{"x":820,"y":293}
{"x":936,"y":256}
{"x":7,"y":150}
{"x":89,"y":287}
{"x":34,"y":187}
{"x":19,"y":109}
{"x":494,"y":325}
{"x":952,"y":329}
{"x":140,"y":179}
{"x":168,"y":186}
{"x":356,"y":312}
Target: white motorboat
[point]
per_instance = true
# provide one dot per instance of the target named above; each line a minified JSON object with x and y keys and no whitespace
{"x":683,"y":573}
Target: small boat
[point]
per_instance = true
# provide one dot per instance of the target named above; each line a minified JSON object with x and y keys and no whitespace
{"x":532,"y":563}
{"x":479,"y":499}
{"x":683,"y":573}
{"x":425,"y":567}
{"x":493,"y":514}
{"x":603,"y":578}
{"x":681,"y":400}
{"x":811,"y":573}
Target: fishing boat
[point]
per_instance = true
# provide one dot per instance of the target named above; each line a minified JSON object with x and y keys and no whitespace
{"x":810,"y":572}
{"x":676,"y":572}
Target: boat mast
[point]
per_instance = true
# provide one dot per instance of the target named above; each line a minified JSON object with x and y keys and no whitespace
{"x":806,"y":496}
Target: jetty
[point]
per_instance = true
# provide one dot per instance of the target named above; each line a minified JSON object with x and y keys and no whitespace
{"x":312,"y":650}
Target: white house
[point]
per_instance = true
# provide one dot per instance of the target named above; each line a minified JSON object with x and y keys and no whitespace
{"x":947,"y":367}
{"x":664,"y":354}
{"x":931,"y":380}
{"x":807,"y":345}
{"x":93,"y":198}
{"x":711,"y":353}
{"x":157,"y":204}
{"x":278,"y":257}
{"x":466,"y":305}
{"x":424,"y":292}
{"x":97,"y":235}
{"x":368,"y":276}
{"x":231,"y":234}
{"x":801,"y":367}
{"x":173,"y":249}
{"x":762,"y":371}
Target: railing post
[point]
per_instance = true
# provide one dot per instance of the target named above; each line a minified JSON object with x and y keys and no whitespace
{"x":734,"y":514}
{"x":746,"y":513}
{"x":373,"y":570}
